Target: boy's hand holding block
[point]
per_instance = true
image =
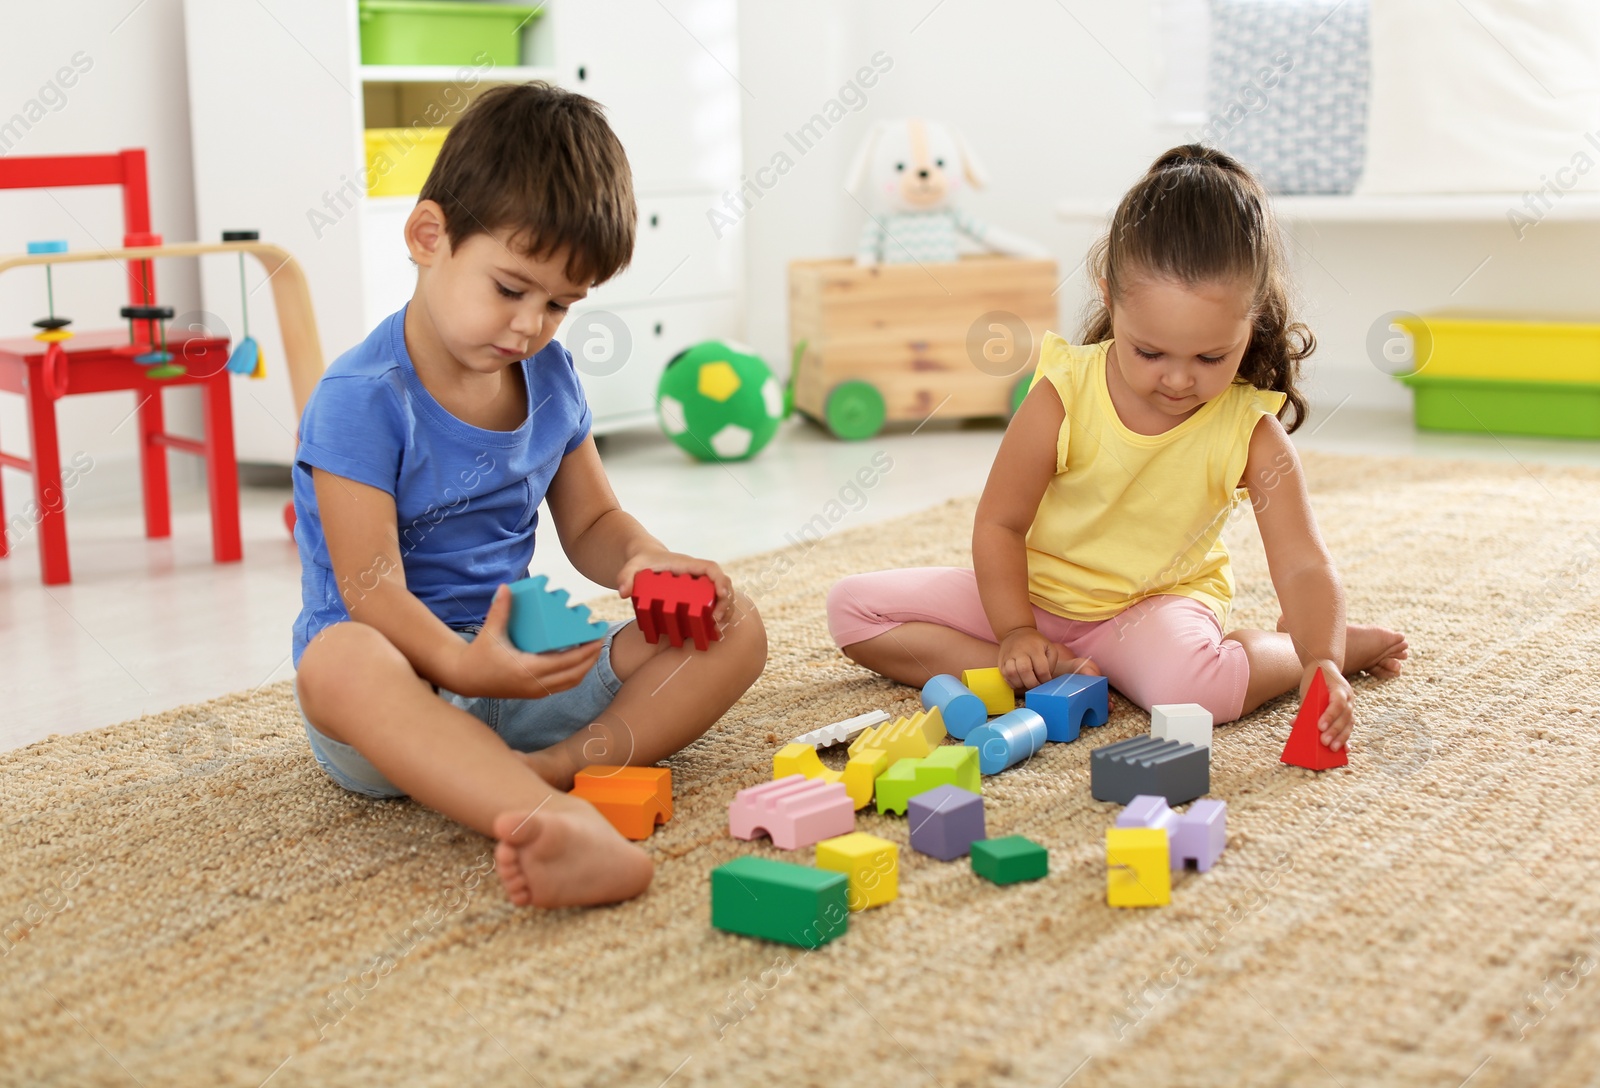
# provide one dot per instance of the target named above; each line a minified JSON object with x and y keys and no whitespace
{"x":676,"y":605}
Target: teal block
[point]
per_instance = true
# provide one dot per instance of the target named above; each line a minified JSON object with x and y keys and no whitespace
{"x":1010,"y":860}
{"x":542,"y":620}
{"x":777,"y":901}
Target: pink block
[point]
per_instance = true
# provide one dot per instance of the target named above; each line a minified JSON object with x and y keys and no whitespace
{"x":795,"y":811}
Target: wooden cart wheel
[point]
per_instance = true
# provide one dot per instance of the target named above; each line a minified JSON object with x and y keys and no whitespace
{"x":855,"y":411}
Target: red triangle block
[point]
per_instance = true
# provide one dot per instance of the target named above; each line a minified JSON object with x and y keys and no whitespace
{"x":1305,"y":747}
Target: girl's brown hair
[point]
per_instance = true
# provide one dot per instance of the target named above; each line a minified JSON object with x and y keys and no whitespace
{"x":1198,"y":216}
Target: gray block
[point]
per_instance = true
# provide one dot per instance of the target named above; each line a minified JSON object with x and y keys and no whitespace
{"x":1162,"y":768}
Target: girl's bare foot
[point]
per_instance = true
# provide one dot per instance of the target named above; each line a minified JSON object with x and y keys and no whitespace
{"x":1081,"y":665}
{"x":567,"y":855}
{"x":1373,"y":649}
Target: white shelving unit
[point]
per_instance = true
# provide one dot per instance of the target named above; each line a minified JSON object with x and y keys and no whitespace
{"x":279,"y":103}
{"x":1444,"y":208}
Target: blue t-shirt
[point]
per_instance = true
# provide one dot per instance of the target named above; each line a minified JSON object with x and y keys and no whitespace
{"x":466,"y":499}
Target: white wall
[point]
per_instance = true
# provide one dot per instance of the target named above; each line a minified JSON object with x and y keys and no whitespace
{"x":1057,"y":100}
{"x":133,"y":94}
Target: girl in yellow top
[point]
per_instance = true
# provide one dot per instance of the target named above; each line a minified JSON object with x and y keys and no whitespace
{"x":1098,"y":544}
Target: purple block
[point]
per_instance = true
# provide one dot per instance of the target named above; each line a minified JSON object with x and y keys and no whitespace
{"x":945,"y":821}
{"x":1200,"y":834}
{"x":1148,"y":810}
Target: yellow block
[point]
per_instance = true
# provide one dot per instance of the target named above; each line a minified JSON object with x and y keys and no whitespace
{"x":992,"y":688}
{"x":861,"y":774}
{"x":871,"y":863}
{"x":1138,"y":872}
{"x":915,"y":736}
{"x":801,"y":759}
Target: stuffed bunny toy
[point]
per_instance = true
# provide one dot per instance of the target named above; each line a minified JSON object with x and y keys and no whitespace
{"x":914,"y":171}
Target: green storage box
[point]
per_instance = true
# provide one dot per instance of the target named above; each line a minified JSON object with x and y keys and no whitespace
{"x":442,"y":32}
{"x":1493,"y":406}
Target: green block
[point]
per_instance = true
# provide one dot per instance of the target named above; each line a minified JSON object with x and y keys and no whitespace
{"x":946,"y":765}
{"x":897,"y":785}
{"x":1010,"y":860}
{"x":953,"y":764}
{"x":758,"y":897}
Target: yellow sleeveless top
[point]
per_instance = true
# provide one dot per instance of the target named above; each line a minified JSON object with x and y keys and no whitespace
{"x":1129,"y":516}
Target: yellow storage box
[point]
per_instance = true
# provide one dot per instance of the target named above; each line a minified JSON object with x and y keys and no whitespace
{"x":1459,"y":345}
{"x":399,"y":159}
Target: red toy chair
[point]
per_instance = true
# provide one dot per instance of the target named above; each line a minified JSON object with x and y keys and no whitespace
{"x":89,"y":364}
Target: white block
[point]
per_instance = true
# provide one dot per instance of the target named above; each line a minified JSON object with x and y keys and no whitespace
{"x":839,"y":732}
{"x":1186,"y":722}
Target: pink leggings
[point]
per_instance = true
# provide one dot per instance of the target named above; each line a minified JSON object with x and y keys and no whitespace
{"x":1165,"y":649}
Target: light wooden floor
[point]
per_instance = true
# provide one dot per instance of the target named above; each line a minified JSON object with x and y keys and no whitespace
{"x":148,"y":625}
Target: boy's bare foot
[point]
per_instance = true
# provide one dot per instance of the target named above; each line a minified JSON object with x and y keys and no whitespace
{"x":567,"y":855}
{"x":1373,"y":649}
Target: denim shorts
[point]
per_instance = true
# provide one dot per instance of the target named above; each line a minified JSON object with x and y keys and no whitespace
{"x":526,"y":725}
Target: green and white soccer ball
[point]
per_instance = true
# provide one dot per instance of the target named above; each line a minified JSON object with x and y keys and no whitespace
{"x":719,"y":402}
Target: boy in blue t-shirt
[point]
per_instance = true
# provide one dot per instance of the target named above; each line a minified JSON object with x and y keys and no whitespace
{"x":423,"y":456}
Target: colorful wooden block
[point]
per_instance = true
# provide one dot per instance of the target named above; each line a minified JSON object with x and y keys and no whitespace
{"x":1010,"y":860}
{"x":1188,"y":722}
{"x":963,"y":711}
{"x":678,"y":606}
{"x":634,"y":799}
{"x":543,"y":621}
{"x":1137,"y":871}
{"x":795,"y":904}
{"x":793,"y":812}
{"x":861,"y":774}
{"x":1169,"y":769}
{"x":801,"y":759}
{"x":993,"y":688}
{"x":1200,"y":835}
{"x":906,"y":738}
{"x":945,"y":821}
{"x":1147,"y":810}
{"x":1305,"y":747}
{"x":839,"y":732}
{"x":1008,"y":740}
{"x":948,"y":764}
{"x":871,"y":864}
{"x":1071,"y":703}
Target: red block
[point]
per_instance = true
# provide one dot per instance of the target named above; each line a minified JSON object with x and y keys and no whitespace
{"x":676,"y":605}
{"x":1305,"y":747}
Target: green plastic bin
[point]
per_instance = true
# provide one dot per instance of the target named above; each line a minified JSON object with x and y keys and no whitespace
{"x":442,"y":32}
{"x":1491,"y":406}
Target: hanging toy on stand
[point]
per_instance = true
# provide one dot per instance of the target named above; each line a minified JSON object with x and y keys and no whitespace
{"x":246,"y":358}
{"x":147,"y":351}
{"x":52,"y":329}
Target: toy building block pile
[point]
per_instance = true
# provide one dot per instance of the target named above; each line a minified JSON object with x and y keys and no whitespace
{"x":908,"y":768}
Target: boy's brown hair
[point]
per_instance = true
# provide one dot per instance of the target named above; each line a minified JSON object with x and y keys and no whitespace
{"x":543,"y":162}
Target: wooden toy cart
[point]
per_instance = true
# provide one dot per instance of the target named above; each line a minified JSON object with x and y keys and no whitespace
{"x":911,"y":342}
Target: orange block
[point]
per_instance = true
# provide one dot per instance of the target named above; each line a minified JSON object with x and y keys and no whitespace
{"x":633,"y":799}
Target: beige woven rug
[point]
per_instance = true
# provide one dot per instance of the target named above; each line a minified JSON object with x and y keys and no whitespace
{"x":187,"y":900}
